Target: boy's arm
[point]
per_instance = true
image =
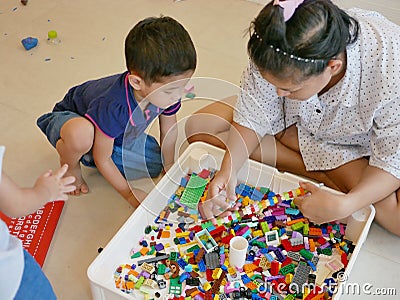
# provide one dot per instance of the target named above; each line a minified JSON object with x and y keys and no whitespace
{"x":17,"y":202}
{"x":168,"y":137}
{"x":102,"y":151}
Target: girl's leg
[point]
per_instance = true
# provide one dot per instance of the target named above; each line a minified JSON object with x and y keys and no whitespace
{"x":76,"y":139}
{"x":388,"y":213}
{"x":211,"y":124}
{"x":288,"y":158}
{"x":387,"y":210}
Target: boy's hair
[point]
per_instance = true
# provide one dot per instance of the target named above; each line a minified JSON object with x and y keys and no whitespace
{"x":158,"y":47}
{"x":303,"y":45}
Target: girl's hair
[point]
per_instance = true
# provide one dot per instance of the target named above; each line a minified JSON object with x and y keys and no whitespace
{"x":303,"y":45}
{"x":159,"y":47}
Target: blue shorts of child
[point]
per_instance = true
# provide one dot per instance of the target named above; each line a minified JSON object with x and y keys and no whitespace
{"x":34,"y":284}
{"x":139,"y":158}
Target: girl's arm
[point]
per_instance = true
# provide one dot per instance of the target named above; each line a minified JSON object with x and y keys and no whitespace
{"x":242,"y":141}
{"x":374,"y":185}
{"x":17,"y":202}
{"x":322,"y":206}
{"x":168,"y":138}
{"x":102,"y":151}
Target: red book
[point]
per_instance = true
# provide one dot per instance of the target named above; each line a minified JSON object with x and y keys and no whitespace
{"x":37,"y":229}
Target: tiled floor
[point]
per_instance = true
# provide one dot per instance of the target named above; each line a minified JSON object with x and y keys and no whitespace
{"x":92,"y":34}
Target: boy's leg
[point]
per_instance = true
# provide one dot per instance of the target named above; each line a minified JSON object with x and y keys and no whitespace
{"x":139,"y":157}
{"x":34,"y":283}
{"x":76,"y":139}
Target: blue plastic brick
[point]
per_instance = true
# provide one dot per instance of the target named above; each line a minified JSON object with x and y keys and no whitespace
{"x":202,"y":266}
{"x":29,"y":42}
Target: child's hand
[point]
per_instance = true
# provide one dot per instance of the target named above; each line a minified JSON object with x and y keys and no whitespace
{"x":136,"y":197}
{"x":54,"y":186}
{"x":321,"y":206}
{"x":222,"y":187}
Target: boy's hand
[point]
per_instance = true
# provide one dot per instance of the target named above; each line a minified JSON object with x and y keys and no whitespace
{"x":136,"y":197}
{"x":221,"y":188}
{"x":54,"y":186}
{"x":321,"y":206}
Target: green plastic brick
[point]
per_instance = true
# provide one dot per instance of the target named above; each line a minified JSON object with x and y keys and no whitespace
{"x":193,"y":191}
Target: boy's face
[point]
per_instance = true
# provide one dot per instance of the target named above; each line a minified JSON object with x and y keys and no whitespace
{"x":166,"y":92}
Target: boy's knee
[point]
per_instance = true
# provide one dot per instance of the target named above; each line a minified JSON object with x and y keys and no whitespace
{"x":78,"y":134}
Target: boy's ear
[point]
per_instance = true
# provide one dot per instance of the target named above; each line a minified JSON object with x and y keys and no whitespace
{"x":335,"y":65}
{"x":136,"y":82}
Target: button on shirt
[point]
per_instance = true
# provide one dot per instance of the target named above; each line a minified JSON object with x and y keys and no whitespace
{"x":359,"y":116}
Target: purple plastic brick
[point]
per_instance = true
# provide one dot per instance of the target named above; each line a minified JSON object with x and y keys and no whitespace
{"x":159,"y":247}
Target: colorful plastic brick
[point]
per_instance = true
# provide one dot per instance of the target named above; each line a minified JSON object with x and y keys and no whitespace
{"x":205,"y":239}
{"x":193,"y":191}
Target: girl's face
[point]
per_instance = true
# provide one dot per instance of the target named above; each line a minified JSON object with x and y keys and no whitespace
{"x":300,"y":91}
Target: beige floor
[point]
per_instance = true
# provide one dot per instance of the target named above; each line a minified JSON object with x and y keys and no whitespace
{"x":92,"y":34}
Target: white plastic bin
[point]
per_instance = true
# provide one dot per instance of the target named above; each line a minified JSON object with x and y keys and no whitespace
{"x":195,"y":158}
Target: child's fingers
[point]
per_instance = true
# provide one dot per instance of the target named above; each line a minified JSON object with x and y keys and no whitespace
{"x":222,"y":213}
{"x":68,"y":188}
{"x":231,"y":191}
{"x":68,"y":180}
{"x":213,"y":191}
{"x":298,"y":202}
{"x":47,"y":173}
{"x":61,"y":171}
{"x":205,"y":210}
{"x":310,"y":187}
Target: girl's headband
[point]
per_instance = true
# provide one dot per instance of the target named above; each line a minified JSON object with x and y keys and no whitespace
{"x":289,"y":55}
{"x":289,"y":7}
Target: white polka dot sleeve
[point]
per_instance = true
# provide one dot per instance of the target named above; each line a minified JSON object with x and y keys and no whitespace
{"x":258,"y":107}
{"x":385,"y":138}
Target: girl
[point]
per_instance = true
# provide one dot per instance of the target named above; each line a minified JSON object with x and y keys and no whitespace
{"x":322,"y":86}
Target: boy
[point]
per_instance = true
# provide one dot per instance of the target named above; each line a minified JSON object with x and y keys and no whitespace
{"x":88,"y":125}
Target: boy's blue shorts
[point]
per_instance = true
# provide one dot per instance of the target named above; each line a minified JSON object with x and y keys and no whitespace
{"x":139,"y":158}
{"x":34,"y":284}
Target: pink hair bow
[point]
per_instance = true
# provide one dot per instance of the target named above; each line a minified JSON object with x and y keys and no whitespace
{"x":289,"y":7}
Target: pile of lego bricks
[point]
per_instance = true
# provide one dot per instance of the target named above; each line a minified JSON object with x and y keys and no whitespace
{"x":288,"y":257}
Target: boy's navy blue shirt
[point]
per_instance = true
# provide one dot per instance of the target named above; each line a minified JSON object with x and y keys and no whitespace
{"x":109,"y":104}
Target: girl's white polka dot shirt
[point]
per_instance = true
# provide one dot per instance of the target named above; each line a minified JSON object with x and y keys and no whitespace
{"x":358,"y":117}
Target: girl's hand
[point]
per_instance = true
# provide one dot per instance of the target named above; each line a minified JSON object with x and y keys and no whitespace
{"x":321,"y":206}
{"x":221,"y":188}
{"x":54,"y":186}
